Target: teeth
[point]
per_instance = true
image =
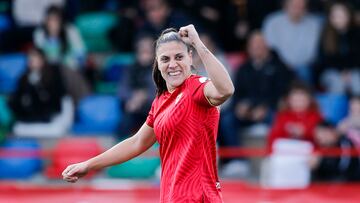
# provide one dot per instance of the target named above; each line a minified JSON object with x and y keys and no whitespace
{"x":174,"y":73}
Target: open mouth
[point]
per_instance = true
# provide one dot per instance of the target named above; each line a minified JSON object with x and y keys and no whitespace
{"x":174,"y":73}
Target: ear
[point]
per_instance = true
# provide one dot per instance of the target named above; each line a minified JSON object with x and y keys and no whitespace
{"x":191,"y":56}
{"x":190,"y":53}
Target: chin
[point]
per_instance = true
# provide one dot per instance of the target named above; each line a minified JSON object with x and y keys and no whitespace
{"x":176,"y":82}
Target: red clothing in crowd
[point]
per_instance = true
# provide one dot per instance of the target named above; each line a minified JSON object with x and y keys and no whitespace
{"x":284,"y":119}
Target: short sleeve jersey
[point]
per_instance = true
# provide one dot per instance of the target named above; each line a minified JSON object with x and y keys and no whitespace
{"x":185,"y":125}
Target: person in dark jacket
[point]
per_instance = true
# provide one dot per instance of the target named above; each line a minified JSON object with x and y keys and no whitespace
{"x":137,"y":88}
{"x":39,"y":90}
{"x":259,"y":84}
{"x":334,"y":168}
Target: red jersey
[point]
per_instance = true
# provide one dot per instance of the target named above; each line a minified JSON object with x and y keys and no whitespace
{"x":185,"y":125}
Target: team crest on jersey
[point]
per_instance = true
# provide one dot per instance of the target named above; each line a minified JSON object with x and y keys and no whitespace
{"x":218,"y":185}
{"x":178,"y":98}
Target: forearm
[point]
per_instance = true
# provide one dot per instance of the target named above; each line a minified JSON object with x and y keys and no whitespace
{"x":215,"y":69}
{"x":119,"y":153}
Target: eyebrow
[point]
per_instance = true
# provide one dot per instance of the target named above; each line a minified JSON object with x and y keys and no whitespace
{"x":178,"y":54}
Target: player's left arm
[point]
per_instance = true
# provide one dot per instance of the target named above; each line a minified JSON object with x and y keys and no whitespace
{"x":220,"y":88}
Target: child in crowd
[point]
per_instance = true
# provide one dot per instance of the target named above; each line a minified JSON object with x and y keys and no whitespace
{"x":297,"y":118}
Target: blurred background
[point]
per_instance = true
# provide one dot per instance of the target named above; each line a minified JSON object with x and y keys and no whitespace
{"x":76,"y":78}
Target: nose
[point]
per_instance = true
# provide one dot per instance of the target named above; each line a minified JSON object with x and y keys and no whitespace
{"x":172,"y":64}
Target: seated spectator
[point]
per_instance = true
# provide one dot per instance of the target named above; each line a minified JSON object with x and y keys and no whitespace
{"x":350,"y":126}
{"x":40,"y":104}
{"x":39,"y":91}
{"x":63,"y":46}
{"x":61,"y":42}
{"x":294,"y":34}
{"x":138,"y":90}
{"x":259,"y":83}
{"x":340,"y":168}
{"x":297,"y":117}
{"x":339,"y":60}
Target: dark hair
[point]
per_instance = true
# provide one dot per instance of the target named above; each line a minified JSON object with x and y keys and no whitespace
{"x":168,"y":35}
{"x":302,"y":87}
{"x":330,"y":41}
{"x":58,"y":11}
{"x":46,"y":70}
{"x":326,"y":124}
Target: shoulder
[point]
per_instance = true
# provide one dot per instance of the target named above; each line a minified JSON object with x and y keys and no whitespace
{"x":314,"y":21}
{"x":71,"y":30}
{"x":275,"y":18}
{"x":39,"y":33}
{"x":196,"y":80}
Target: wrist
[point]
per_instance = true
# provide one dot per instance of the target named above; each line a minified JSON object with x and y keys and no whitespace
{"x":89,"y":164}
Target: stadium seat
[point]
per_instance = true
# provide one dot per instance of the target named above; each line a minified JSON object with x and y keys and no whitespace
{"x":98,"y":114}
{"x":94,"y":28}
{"x":5,"y":23}
{"x":235,"y":59}
{"x":12,"y":66}
{"x":333,"y":107}
{"x":137,"y":168}
{"x":69,"y":151}
{"x":5,"y":113}
{"x":115,"y":65}
{"x":102,"y":87}
{"x":20,"y":159}
{"x":5,"y":118}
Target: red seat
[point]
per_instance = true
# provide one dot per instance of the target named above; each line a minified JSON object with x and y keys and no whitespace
{"x":69,"y":151}
{"x":235,"y":59}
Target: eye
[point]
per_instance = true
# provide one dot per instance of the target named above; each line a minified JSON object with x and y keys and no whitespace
{"x":178,"y":57}
{"x":164,"y":59}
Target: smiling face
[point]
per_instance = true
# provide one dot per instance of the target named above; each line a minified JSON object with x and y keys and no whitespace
{"x":174,"y":63}
{"x":299,"y":100}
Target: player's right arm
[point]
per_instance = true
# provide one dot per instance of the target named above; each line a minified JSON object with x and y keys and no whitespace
{"x":118,"y":154}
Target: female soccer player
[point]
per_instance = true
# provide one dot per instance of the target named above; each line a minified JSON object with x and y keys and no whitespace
{"x":183,"y":119}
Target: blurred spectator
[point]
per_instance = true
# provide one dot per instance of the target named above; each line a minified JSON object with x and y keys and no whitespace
{"x":32,"y":12}
{"x":26,"y":16}
{"x":211,"y":14}
{"x":341,"y":168}
{"x":138,"y":90}
{"x":159,"y":16}
{"x":39,"y":92}
{"x":294,"y":34}
{"x":350,"y":126}
{"x":63,"y":46}
{"x":129,"y":17}
{"x":339,"y":60}
{"x":297,"y":117}
{"x":259,"y":83}
{"x":61,"y":42}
